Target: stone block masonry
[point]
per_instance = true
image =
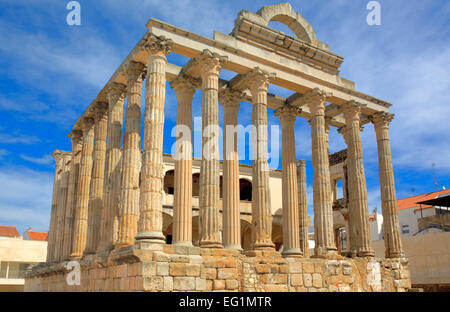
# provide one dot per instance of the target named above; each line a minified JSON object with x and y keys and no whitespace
{"x":175,"y":268}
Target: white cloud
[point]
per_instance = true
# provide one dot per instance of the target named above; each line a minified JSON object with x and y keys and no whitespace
{"x":17,"y":137}
{"x":80,"y":56}
{"x":25,"y":198}
{"x":44,"y":160}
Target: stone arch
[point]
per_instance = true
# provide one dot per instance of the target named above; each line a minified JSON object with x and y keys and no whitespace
{"x":167,"y":227}
{"x":169,"y":182}
{"x":284,"y":13}
{"x":195,"y":184}
{"x":277,"y":229}
{"x":277,"y":235}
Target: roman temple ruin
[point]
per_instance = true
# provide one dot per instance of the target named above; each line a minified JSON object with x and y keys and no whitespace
{"x":135,"y":219}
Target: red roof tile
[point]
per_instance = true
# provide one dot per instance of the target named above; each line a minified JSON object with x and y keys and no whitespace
{"x":37,"y":236}
{"x":411,"y":202}
{"x":9,"y":231}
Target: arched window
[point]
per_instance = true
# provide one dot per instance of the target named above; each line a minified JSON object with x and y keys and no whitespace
{"x":195,"y":184}
{"x":169,"y":182}
{"x":245,"y":190}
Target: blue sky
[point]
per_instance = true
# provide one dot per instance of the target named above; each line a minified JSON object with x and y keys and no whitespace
{"x":50,"y":72}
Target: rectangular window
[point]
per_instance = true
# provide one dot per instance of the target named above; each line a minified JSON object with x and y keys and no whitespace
{"x":3,"y":269}
{"x":14,"y":270}
{"x":405,"y":229}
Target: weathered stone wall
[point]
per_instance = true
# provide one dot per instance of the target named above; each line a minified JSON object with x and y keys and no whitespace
{"x":193,"y":269}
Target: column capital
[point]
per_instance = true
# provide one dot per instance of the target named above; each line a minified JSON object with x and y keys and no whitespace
{"x":116,"y":91}
{"x":66,"y":158}
{"x":156,"y":44}
{"x":258,"y":79}
{"x":316,"y":99}
{"x":184,"y":85}
{"x":135,"y":71}
{"x":230,"y":98}
{"x":352,"y":110}
{"x":381,"y":119}
{"x":100,"y":109}
{"x":287,"y":114}
{"x":210,"y":63}
{"x":87,"y":123}
{"x":300,"y":162}
{"x":75,"y":136}
{"x":58,"y":156}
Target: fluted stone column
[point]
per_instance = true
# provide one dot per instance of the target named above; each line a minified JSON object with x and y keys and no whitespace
{"x":210,"y":66}
{"x":291,"y":233}
{"x":231,"y":196}
{"x":81,"y":211}
{"x":352,"y":210}
{"x":71,"y":203}
{"x":303,"y":207}
{"x":392,"y":241}
{"x":113,"y":168}
{"x":53,"y":219}
{"x":323,"y":211}
{"x":358,"y":202}
{"x":261,"y":207}
{"x":150,"y":201}
{"x":129,"y":201}
{"x":182,"y":206}
{"x":62,"y":199}
{"x":97,"y":178}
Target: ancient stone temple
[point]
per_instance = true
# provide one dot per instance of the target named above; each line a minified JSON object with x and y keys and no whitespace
{"x":135,"y":219}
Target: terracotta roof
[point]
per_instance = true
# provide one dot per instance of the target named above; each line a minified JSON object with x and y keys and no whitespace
{"x":37,"y":236}
{"x":411,"y":202}
{"x":9,"y":231}
{"x":372,"y":217}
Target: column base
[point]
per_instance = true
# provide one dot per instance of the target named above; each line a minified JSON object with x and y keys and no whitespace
{"x":183,"y":243}
{"x":326,"y":253}
{"x":292,"y":253}
{"x":234,"y":247}
{"x":76,"y":256}
{"x":211,"y":244}
{"x":89,"y":256}
{"x":150,"y":240}
{"x":156,"y":237}
{"x":366,"y":253}
{"x":121,"y":245}
{"x":264,"y":246}
{"x":395,"y":254}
